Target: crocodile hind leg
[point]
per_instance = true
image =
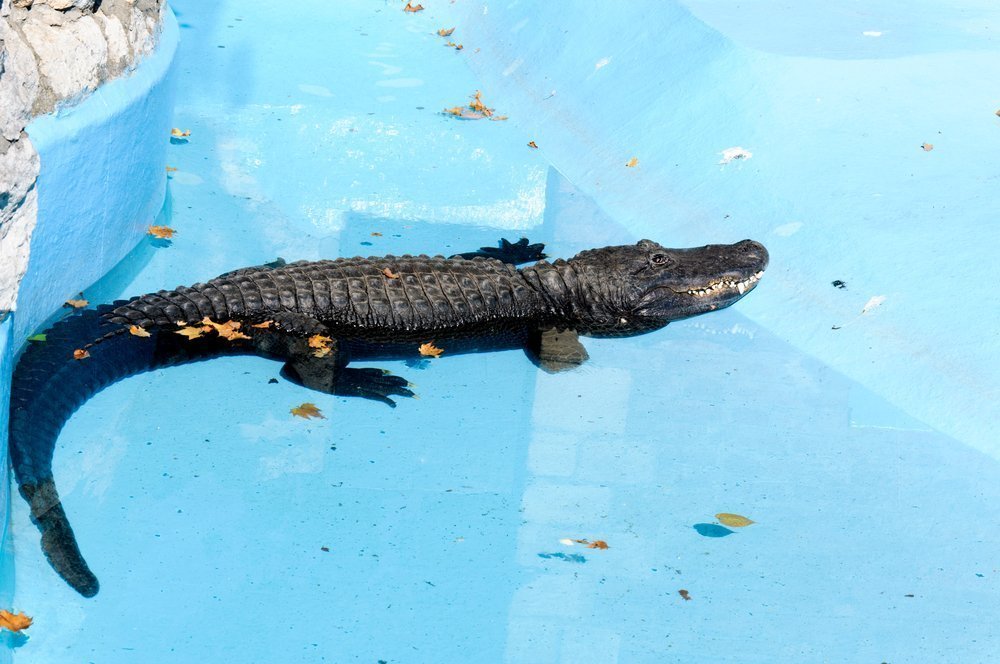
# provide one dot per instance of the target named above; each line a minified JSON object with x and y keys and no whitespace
{"x":556,"y":350}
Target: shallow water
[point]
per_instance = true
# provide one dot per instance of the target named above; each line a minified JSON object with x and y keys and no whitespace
{"x":223,"y":529}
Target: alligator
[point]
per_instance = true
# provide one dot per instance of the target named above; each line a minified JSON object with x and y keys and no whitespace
{"x":316,"y":316}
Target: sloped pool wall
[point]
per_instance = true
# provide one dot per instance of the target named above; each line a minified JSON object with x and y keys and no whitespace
{"x":860,"y":145}
{"x":102,"y":182}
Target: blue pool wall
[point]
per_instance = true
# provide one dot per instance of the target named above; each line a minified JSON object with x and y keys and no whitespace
{"x":102,"y":181}
{"x":834,"y":108}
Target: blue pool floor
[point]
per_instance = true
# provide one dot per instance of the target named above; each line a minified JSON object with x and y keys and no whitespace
{"x":223,"y":529}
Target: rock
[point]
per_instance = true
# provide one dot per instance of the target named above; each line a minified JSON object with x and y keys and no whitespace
{"x":118,"y":47}
{"x":18,"y":170}
{"x":63,"y":5}
{"x":18,"y":82}
{"x":72,"y":57}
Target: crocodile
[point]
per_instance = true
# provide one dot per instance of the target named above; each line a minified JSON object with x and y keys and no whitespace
{"x":316,"y":316}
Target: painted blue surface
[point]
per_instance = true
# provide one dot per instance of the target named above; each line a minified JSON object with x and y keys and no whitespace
{"x":205,"y":508}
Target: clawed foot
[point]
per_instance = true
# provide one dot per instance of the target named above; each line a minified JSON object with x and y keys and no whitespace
{"x":514,"y":253}
{"x":371,"y":384}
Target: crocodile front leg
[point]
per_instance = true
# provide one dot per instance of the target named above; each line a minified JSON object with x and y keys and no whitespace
{"x":556,"y":350}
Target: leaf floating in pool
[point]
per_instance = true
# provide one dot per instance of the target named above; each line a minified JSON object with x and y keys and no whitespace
{"x":38,"y":337}
{"x":733,"y":520}
{"x":596,"y":544}
{"x":457,"y":47}
{"x":307,"y":410}
{"x":77,"y":304}
{"x":137,"y":331}
{"x":227,"y":330}
{"x":14,"y":622}
{"x":171,"y":169}
{"x":445,"y":32}
{"x":633,"y":162}
{"x":475,"y":110}
{"x":376,"y":234}
{"x":927,"y":147}
{"x":80,"y":354}
{"x":413,"y":8}
{"x":685,"y":594}
{"x":390,"y":274}
{"x":178,"y":133}
{"x":430,"y":350}
{"x":323,"y":345}
{"x":161,"y":232}
{"x":532,"y":144}
{"x":712,"y":530}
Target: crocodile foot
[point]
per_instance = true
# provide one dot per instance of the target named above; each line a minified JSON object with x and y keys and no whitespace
{"x":371,"y":384}
{"x":514,"y":253}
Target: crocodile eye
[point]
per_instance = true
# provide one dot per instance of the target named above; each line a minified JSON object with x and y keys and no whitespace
{"x":659,"y":259}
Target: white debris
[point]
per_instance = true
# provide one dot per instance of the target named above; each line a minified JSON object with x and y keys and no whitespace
{"x":876,"y":301}
{"x":603,"y":62}
{"x":872,"y":33}
{"x":732,"y":154}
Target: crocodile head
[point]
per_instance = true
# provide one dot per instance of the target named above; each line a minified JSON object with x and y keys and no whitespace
{"x":636,"y":288}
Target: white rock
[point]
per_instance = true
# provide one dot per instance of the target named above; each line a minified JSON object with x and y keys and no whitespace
{"x":18,"y":170}
{"x":18,"y":82}
{"x":71,"y":56}
{"x":114,"y":31}
{"x":63,"y":5}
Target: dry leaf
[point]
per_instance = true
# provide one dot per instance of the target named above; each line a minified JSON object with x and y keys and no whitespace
{"x":445,"y":33}
{"x":80,"y":354}
{"x":430,"y":350}
{"x":390,"y":274}
{"x":14,"y":622}
{"x":171,"y":169}
{"x":733,"y":520}
{"x":263,"y":326}
{"x":927,"y":147}
{"x":596,"y":544}
{"x":685,"y":594}
{"x":376,"y":234}
{"x":532,"y":144}
{"x":162,"y":232}
{"x":177,"y":133}
{"x":138,"y":331}
{"x":192,"y":332}
{"x":77,"y":304}
{"x":323,"y":345}
{"x":227,"y":330}
{"x":498,"y":118}
{"x":307,"y":410}
{"x":632,"y":163}
{"x":457,"y":47}
{"x":412,"y":8}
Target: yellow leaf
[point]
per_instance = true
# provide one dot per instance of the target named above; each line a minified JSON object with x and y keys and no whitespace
{"x":443,"y":32}
{"x":685,"y":594}
{"x":323,"y":345}
{"x":733,"y":520}
{"x":412,"y":8}
{"x":927,"y":147}
{"x":192,"y":332}
{"x":632,"y":163}
{"x":263,"y":326}
{"x":430,"y":350}
{"x":171,"y":169}
{"x":376,"y":234}
{"x":227,"y":330}
{"x":532,"y":144}
{"x":596,"y":544}
{"x":390,"y":274}
{"x":162,"y":232}
{"x":80,"y":354}
{"x":177,"y":133}
{"x":14,"y":622}
{"x":77,"y":304}
{"x":138,"y":331}
{"x":307,"y":410}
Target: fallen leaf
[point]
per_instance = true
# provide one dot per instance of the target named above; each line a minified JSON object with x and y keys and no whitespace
{"x":162,"y":232}
{"x":457,"y":47}
{"x":927,"y":147}
{"x":80,"y":354}
{"x":733,"y":520}
{"x":38,"y":337}
{"x":532,"y":144}
{"x":192,"y":332}
{"x":376,"y":234}
{"x":685,"y":594}
{"x":875,"y":301}
{"x":323,"y":345}
{"x":430,"y":350}
{"x":263,"y":326}
{"x":455,"y":110}
{"x":390,"y":274}
{"x":177,"y":133}
{"x":412,"y":8}
{"x":445,"y":32}
{"x":632,"y":163}
{"x":227,"y":330}
{"x":171,"y":169}
{"x":14,"y":622}
{"x":307,"y":410}
{"x":138,"y":331}
{"x":598,"y":544}
{"x":77,"y":304}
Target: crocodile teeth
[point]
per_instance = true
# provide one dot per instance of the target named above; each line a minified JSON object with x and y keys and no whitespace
{"x":741,"y":288}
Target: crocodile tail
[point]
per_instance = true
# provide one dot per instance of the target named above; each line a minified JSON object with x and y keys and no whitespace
{"x":48,"y":386}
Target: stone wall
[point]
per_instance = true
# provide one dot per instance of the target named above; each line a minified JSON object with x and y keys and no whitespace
{"x":54,"y":53}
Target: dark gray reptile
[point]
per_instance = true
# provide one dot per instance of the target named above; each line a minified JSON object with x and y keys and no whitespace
{"x":367,"y":307}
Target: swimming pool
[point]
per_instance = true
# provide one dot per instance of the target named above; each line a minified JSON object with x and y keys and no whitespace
{"x":223,"y":529}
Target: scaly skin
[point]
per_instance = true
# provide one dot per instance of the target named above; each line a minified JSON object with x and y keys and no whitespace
{"x":367,"y":307}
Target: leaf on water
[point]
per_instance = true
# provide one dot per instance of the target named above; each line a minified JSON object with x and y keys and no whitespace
{"x":227,"y":330}
{"x":632,"y":163}
{"x":38,"y":337}
{"x":307,"y":410}
{"x":430,"y":350}
{"x":171,"y":169}
{"x":874,"y":302}
{"x":77,"y":304}
{"x":532,"y":144}
{"x":178,"y":133}
{"x":733,"y":520}
{"x":412,"y":8}
{"x":685,"y":594}
{"x":390,"y":274}
{"x":445,"y":32}
{"x":14,"y":622}
{"x":927,"y":147}
{"x":596,"y":544}
{"x":376,"y":234}
{"x":80,"y":354}
{"x":192,"y":332}
{"x":263,"y":326}
{"x":457,"y":47}
{"x":323,"y":345}
{"x":138,"y":331}
{"x":475,"y":110}
{"x":162,"y":232}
